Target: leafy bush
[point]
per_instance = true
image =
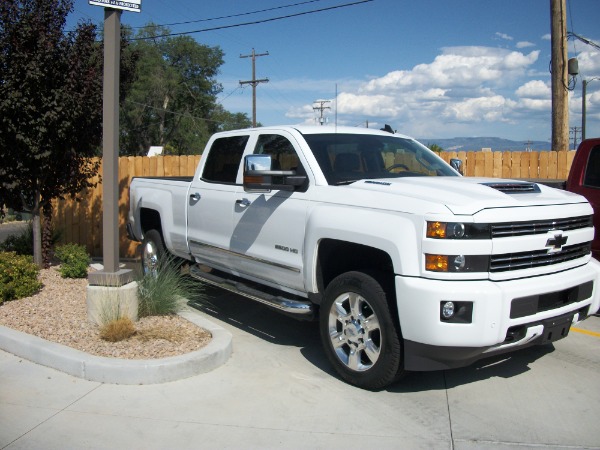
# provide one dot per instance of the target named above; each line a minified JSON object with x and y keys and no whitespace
{"x":165,"y":292}
{"x":18,"y":276}
{"x":74,"y":260}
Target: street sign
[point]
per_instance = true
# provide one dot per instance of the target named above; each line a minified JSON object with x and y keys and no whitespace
{"x":129,"y":5}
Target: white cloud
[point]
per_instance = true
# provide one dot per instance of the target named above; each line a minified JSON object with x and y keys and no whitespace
{"x":547,"y":37}
{"x":478,"y":109}
{"x":504,"y":36}
{"x":463,"y":89}
{"x":589,"y":63}
{"x":525,"y":44}
{"x":535,"y":89}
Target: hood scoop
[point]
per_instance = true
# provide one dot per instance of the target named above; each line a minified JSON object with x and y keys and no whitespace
{"x":514,"y":187}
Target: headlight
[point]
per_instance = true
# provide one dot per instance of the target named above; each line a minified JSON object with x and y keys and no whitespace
{"x":457,"y":230}
{"x":456,"y":263}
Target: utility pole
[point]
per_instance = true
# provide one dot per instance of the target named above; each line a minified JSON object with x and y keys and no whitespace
{"x":575,"y":130}
{"x":254,"y":82}
{"x":560,"y":96}
{"x":321,"y":107}
{"x":583,"y":112}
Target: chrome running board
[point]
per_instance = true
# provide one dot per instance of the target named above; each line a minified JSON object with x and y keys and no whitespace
{"x":298,"y":308}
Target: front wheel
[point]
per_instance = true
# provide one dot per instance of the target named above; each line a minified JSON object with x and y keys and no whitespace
{"x":358,"y":331}
{"x":153,"y":252}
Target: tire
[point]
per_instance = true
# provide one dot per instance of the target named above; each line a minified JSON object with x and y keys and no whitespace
{"x":359,"y":334}
{"x":153,"y":252}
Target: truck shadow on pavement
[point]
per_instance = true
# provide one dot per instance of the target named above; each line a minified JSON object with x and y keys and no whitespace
{"x":279,"y":329}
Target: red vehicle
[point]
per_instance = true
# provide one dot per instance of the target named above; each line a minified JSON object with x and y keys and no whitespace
{"x":584,"y":179}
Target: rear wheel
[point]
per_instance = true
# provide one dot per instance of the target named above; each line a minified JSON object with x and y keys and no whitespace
{"x":153,"y":252}
{"x":358,"y":331}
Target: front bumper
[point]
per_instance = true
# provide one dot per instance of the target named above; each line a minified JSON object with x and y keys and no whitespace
{"x":497,"y":324}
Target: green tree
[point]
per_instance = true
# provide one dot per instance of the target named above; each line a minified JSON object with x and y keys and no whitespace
{"x":174,"y":94}
{"x":223,"y":120}
{"x":50,"y":108}
{"x":436,"y":148}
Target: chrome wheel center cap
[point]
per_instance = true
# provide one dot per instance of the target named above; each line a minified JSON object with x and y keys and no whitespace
{"x":354,"y":332}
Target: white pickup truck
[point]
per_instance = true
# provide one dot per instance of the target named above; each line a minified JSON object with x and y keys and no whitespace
{"x":408,"y":265}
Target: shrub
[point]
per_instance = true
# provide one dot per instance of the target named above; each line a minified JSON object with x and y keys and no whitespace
{"x":117,"y":330}
{"x":165,"y":292}
{"x":18,"y":276}
{"x":74,"y":260}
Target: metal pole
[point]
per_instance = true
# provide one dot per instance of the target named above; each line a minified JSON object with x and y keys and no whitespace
{"x":110,"y":144}
{"x":584,"y":88}
{"x":110,"y":275}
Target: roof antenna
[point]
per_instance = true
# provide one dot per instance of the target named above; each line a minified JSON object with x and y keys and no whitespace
{"x":388,"y":129}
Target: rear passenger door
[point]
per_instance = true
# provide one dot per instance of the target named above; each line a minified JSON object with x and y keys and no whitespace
{"x":211,"y":202}
{"x":267,"y":235}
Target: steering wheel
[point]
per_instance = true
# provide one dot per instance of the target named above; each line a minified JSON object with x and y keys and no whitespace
{"x":397,"y":166}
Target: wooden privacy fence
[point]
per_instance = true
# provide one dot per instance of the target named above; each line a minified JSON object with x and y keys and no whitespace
{"x":81,"y":221}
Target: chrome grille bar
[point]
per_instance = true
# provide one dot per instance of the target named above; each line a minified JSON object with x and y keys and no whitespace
{"x":539,"y":227}
{"x":526,"y":260}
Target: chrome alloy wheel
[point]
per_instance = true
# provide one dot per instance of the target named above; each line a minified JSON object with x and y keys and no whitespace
{"x":354,"y":331}
{"x":150,"y":258}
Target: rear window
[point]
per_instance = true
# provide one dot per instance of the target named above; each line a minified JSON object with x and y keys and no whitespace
{"x":224,"y":159}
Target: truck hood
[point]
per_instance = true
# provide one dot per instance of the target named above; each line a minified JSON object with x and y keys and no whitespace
{"x":468,"y":196}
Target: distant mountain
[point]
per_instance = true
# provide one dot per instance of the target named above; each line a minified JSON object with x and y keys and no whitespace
{"x":477,"y":143}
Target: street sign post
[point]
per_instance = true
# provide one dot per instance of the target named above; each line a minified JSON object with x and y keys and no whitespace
{"x":129,"y":5}
{"x":111,"y":275}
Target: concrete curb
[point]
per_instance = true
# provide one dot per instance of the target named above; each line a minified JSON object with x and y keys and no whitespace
{"x":122,"y":371}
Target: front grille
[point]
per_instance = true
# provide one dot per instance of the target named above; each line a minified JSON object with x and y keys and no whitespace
{"x":530,"y":259}
{"x":500,"y":230}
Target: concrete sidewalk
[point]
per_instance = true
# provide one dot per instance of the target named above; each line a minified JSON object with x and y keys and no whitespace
{"x":278,"y":391}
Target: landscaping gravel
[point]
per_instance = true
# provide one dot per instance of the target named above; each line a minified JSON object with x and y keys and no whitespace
{"x":58,"y":313}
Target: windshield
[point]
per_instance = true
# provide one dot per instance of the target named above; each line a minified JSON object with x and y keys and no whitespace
{"x":345,"y":158}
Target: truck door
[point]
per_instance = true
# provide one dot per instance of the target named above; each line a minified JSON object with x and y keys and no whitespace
{"x":268,"y":228}
{"x":211,"y":202}
{"x":589,"y":187}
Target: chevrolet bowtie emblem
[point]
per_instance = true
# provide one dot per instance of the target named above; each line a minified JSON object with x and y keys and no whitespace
{"x":556,"y":243}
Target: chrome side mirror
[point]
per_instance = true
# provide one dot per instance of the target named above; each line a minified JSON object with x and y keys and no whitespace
{"x":457,"y":164}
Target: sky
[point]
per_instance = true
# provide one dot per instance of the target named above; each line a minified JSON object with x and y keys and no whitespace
{"x":429,"y":68}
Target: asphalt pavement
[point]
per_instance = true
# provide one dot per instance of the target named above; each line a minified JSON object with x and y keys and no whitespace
{"x":276,"y":390}
{"x":10,"y":228}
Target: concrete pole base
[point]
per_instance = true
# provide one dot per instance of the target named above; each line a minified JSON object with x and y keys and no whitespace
{"x":108,"y":303}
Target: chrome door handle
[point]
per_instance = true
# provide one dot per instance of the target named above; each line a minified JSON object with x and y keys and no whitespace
{"x":243,"y":202}
{"x":195,"y":196}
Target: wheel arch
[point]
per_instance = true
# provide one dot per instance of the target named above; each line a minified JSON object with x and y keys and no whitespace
{"x":150,"y":220}
{"x":335,"y":257}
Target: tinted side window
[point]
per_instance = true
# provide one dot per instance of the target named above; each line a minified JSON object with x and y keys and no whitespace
{"x":283,"y":156}
{"x":592,"y":172}
{"x":282,"y":151}
{"x":224,"y":159}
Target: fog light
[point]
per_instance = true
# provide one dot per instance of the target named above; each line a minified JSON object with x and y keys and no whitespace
{"x":448,"y":310}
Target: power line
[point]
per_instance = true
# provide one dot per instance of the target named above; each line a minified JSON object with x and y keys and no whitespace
{"x":253,"y":23}
{"x":232,"y":15}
